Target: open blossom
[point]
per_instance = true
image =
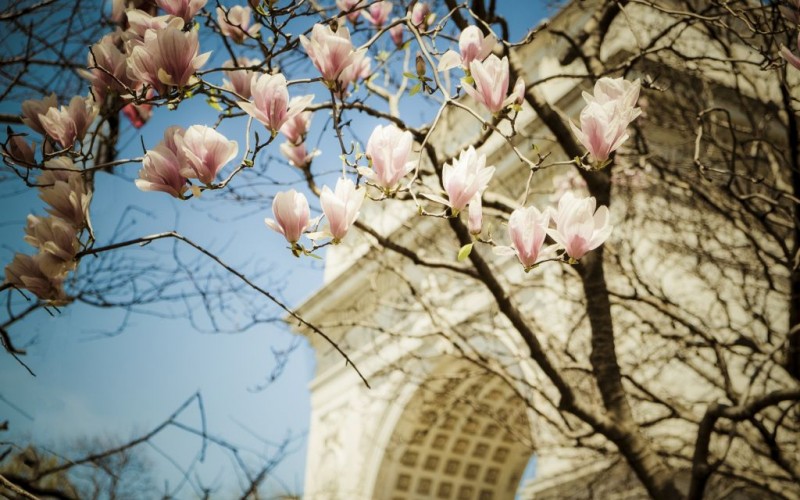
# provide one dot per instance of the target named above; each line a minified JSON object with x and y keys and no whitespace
{"x":579,"y":228}
{"x":271,"y":105}
{"x":69,"y":123}
{"x":331,"y":52}
{"x":32,"y":109}
{"x":291,"y":212}
{"x":203,"y":152}
{"x":140,"y":22}
{"x":296,"y":127}
{"x":388,"y":149}
{"x":57,"y":242}
{"x":341,"y":206}
{"x":527,"y":229}
{"x":240,"y":78}
{"x":473,"y":46}
{"x":185,"y":9}
{"x":491,"y":84}
{"x":26,"y":272}
{"x":348,"y":6}
{"x":791,"y":58}
{"x":63,"y":188}
{"x":161,"y":167}
{"x":235,"y":23}
{"x":605,"y":119}
{"x":297,"y":154}
{"x":377,"y":13}
{"x":467,"y":176}
{"x":167,"y":58}
{"x":107,"y":68}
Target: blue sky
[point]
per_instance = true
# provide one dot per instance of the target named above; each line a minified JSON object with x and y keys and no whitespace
{"x":91,"y":383}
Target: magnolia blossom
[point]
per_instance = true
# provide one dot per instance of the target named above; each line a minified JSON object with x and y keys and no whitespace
{"x":161,"y":167}
{"x":467,"y":176}
{"x":140,"y":22}
{"x":473,"y":46}
{"x":203,"y":152}
{"x":69,"y":123}
{"x":475,"y":213}
{"x":605,"y":119}
{"x":421,"y":15}
{"x":396,"y":33}
{"x":235,"y":23}
{"x":791,"y":58}
{"x":360,"y":69}
{"x":291,"y":212}
{"x":331,"y":52}
{"x":108,"y":67}
{"x":296,"y":127}
{"x":579,"y":229}
{"x":33,"y":109}
{"x":388,"y":149}
{"x":185,"y":9}
{"x":57,"y":242}
{"x":167,"y":58}
{"x":240,"y":78}
{"x":271,"y":105}
{"x":26,"y":272}
{"x":527,"y":229}
{"x":341,"y":206}
{"x":491,"y":84}
{"x":297,"y":154}
{"x":377,"y":13}
{"x":350,"y":6}
{"x":20,"y":151}
{"x":62,"y":187}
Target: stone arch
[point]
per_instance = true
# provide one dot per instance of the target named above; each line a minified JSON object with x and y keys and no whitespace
{"x":464,"y":434}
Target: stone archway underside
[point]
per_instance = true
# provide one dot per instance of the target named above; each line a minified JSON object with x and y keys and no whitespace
{"x":462,"y":437}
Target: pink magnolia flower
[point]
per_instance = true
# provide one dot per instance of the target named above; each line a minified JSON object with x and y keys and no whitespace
{"x":527,"y":229}
{"x":331,"y":52}
{"x":297,"y":154}
{"x":140,"y":22}
{"x":473,"y":46}
{"x":341,"y":207}
{"x":467,"y":176}
{"x":33,"y":109}
{"x":57,"y":242}
{"x":235,"y":23}
{"x":203,"y":152}
{"x":360,"y":69}
{"x":271,"y":105}
{"x":475,"y":219}
{"x":291,"y":212}
{"x":161,"y":167}
{"x":138,"y":114}
{"x":421,"y":15}
{"x":70,"y":123}
{"x":20,"y":151}
{"x":579,"y":228}
{"x":167,"y":58}
{"x":491,"y":84}
{"x":791,"y":58}
{"x":240,"y":78}
{"x":107,"y":68}
{"x":388,"y":149}
{"x":396,"y":33}
{"x":296,"y":127}
{"x":62,"y":187}
{"x":605,"y":119}
{"x":377,"y":13}
{"x":185,"y":9}
{"x":26,"y":272}
{"x":351,"y":7}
